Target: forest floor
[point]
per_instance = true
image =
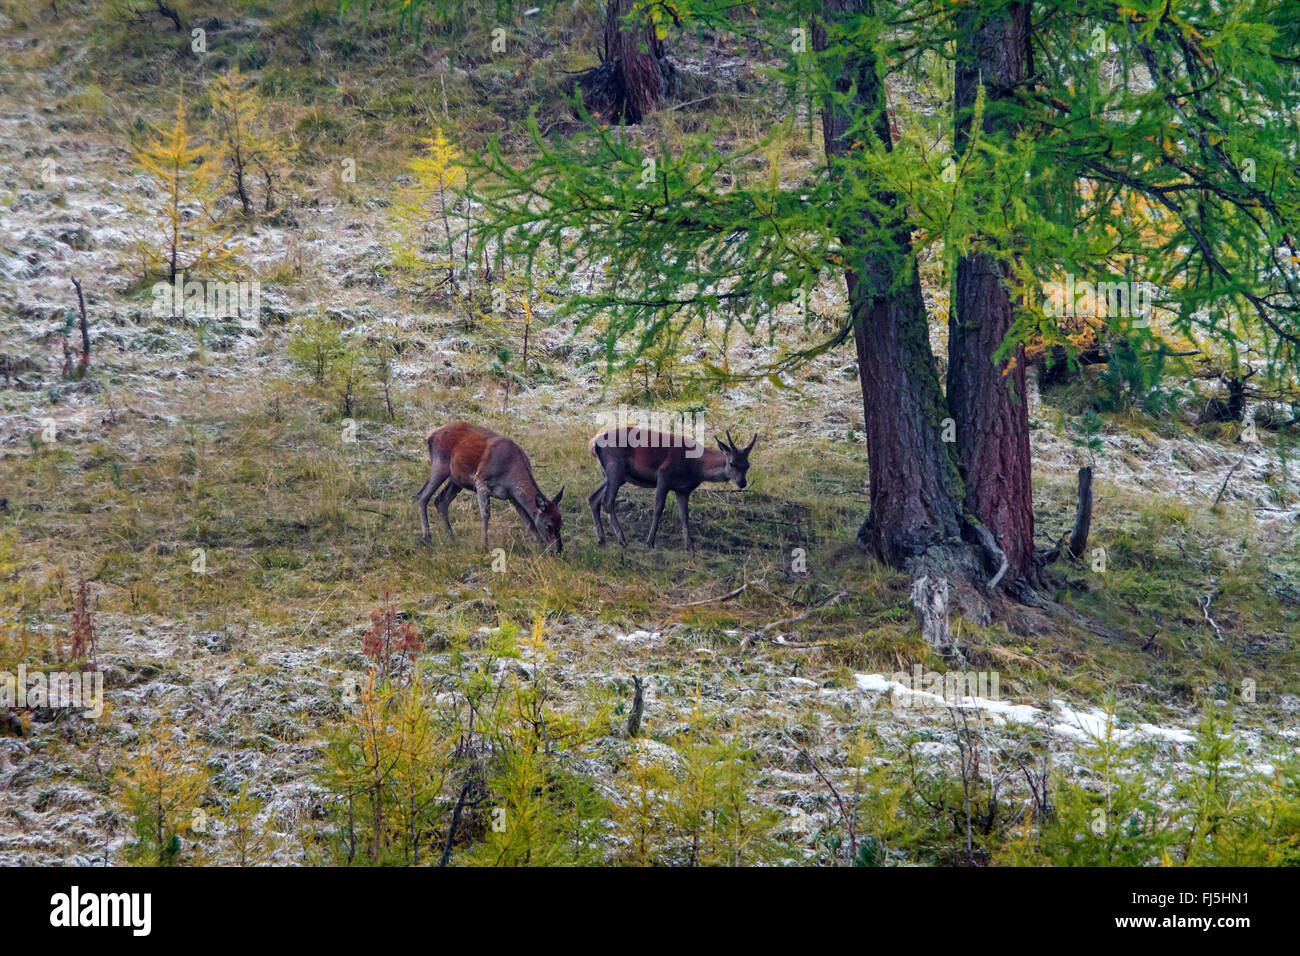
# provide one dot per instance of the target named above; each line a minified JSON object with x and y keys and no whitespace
{"x":200,"y":441}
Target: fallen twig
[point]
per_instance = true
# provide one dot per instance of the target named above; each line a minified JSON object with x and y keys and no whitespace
{"x":679,"y":106}
{"x":761,"y":633}
{"x":725,"y":597}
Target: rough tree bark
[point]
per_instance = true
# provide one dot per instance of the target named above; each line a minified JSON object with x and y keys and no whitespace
{"x":1082,"y":514}
{"x":1231,"y":409}
{"x":930,"y":605}
{"x":915,"y":489}
{"x":635,"y":74}
{"x":987,"y":397}
{"x":1057,"y":368}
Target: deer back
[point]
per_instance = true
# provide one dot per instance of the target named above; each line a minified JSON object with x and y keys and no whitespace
{"x":478,"y":454}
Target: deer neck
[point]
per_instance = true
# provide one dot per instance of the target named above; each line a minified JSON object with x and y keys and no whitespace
{"x":526,"y":492}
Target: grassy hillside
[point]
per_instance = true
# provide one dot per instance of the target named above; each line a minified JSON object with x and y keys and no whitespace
{"x":240,"y":525}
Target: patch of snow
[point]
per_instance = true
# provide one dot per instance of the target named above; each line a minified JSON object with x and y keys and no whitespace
{"x":638,"y":637}
{"x":1081,"y":725}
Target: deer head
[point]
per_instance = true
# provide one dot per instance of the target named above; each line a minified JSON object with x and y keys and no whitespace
{"x":548,"y":520}
{"x":737,"y":458}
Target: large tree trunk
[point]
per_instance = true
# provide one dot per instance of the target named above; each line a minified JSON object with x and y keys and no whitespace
{"x":987,"y":397}
{"x":915,"y":488}
{"x":635,"y":74}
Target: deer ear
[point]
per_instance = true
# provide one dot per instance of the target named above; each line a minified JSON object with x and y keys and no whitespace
{"x":558,"y":495}
{"x":720,"y":443}
{"x":752,"y":442}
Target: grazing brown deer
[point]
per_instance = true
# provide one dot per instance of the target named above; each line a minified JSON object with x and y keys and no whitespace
{"x":665,"y":463}
{"x":464,"y":456}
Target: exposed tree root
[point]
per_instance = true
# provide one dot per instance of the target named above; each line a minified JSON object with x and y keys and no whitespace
{"x":996,"y":556}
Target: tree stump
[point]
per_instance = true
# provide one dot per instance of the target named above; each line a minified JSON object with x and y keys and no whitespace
{"x":930,"y":605}
{"x":635,"y":74}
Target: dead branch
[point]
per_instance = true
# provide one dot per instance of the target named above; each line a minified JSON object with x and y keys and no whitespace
{"x":849,"y":822}
{"x":85,"y":331}
{"x":725,"y":597}
{"x":638,"y":706}
{"x":1219,"y":496}
{"x":678,"y":106}
{"x":170,"y":14}
{"x":761,"y":633}
{"x":1082,"y":514}
{"x":1078,"y":538}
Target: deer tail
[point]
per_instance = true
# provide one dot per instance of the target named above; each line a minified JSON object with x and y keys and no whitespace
{"x":425,"y":487}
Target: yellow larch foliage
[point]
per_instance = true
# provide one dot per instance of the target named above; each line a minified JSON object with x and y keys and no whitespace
{"x":438,"y":175}
{"x":180,"y":234}
{"x":246,"y":148}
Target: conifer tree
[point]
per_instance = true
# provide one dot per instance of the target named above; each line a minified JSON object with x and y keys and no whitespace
{"x":246,"y":147}
{"x":162,"y":796}
{"x":1152,"y":127}
{"x":1105,"y":141}
{"x":634,"y":76}
{"x":438,"y":176}
{"x":986,"y":392}
{"x":181,"y":234}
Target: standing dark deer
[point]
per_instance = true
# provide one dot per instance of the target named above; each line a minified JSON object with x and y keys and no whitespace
{"x":463,"y":457}
{"x":665,"y":463}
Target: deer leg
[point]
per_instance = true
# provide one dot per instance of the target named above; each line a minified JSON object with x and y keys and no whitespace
{"x":683,"y":513}
{"x":593,"y":499}
{"x":661,"y":495}
{"x":484,"y":509}
{"x":438,"y":474}
{"x":613,"y":481}
{"x":449,"y":490}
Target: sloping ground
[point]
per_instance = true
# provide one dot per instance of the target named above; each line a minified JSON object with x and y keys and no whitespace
{"x":187,"y":438}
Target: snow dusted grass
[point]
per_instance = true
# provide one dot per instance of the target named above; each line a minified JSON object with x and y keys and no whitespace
{"x":188,"y":438}
{"x":302,"y":531}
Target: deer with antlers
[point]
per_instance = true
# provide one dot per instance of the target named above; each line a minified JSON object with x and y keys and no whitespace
{"x":665,"y":463}
{"x":464,"y":457}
